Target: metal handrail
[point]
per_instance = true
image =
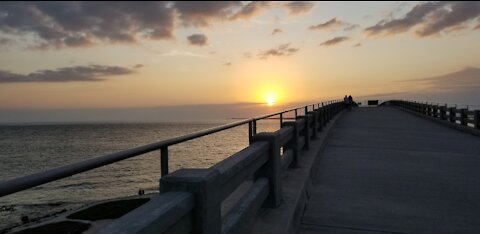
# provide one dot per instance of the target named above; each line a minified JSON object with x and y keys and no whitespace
{"x":25,"y":182}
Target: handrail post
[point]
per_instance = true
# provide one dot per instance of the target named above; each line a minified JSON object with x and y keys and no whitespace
{"x":315,"y":124}
{"x":273,"y":168}
{"x":203,"y":183}
{"x":452,"y":114}
{"x":327,"y":111}
{"x":164,"y":161}
{"x":476,"y":118}
{"x":443,"y":115}
{"x":306,"y":131}
{"x":281,"y":120}
{"x":463,"y":116}
{"x":321,"y":121}
{"x":293,"y":143}
{"x":250,"y":132}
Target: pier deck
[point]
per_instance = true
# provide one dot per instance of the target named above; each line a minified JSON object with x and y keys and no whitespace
{"x":387,"y":171}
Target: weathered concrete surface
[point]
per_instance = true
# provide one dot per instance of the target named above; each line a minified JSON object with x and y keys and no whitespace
{"x":295,"y":183}
{"x":387,"y":171}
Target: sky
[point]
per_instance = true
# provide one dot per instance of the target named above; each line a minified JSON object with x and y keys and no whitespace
{"x":70,"y":61}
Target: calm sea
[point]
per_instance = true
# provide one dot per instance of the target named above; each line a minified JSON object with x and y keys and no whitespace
{"x":32,"y":148}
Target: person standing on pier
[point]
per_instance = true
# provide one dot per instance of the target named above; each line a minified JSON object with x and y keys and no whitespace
{"x":346,"y":100}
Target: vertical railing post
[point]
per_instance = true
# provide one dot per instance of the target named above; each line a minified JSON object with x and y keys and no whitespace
{"x":204,"y":185}
{"x":463,"y":116}
{"x":306,"y":130}
{"x":250,"y":132}
{"x":319,"y":119}
{"x":281,"y":120}
{"x":443,"y":111}
{"x":273,"y":168}
{"x":328,"y":111}
{"x":294,"y":142}
{"x":314,"y":127}
{"x":452,"y":114}
{"x":164,"y":161}
{"x":476,"y":118}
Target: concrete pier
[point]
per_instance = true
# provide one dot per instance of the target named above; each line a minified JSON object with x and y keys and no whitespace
{"x":406,"y":167}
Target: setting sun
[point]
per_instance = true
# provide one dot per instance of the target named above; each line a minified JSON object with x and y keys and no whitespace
{"x":270,"y":98}
{"x":270,"y":101}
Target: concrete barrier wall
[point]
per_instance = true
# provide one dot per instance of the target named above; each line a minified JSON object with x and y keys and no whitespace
{"x":191,"y":200}
{"x":461,"y":119}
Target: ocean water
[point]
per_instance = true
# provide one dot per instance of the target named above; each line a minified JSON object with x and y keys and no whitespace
{"x":28,"y":149}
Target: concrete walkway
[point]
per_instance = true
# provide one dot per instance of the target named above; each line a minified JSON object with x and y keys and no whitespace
{"x":386,"y":171}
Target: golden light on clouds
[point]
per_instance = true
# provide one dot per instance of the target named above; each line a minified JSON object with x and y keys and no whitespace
{"x":232,"y":56}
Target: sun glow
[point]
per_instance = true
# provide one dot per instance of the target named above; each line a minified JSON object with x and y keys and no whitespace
{"x":271,"y":99}
{"x":270,"y":83}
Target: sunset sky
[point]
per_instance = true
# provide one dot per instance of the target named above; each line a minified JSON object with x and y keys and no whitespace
{"x":74,"y":55}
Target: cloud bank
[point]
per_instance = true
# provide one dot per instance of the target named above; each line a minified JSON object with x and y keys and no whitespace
{"x":197,"y":40}
{"x":281,"y":50}
{"x":334,"y":41}
{"x":430,"y":18}
{"x":66,"y":74}
{"x":299,"y":8}
{"x":333,"y":24}
{"x":464,"y":79}
{"x":276,"y":31}
{"x":80,"y":24}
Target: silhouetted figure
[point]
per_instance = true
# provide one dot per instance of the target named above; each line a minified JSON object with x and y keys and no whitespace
{"x":352,"y":103}
{"x":346,"y":100}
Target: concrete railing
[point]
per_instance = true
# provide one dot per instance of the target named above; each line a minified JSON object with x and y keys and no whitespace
{"x":462,"y":117}
{"x":193,"y":200}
